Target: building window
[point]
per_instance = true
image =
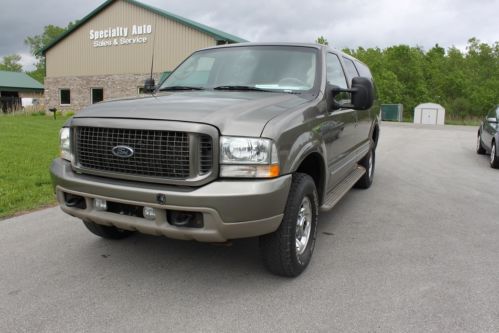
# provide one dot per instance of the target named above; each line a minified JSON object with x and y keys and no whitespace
{"x":65,"y":96}
{"x":97,"y":95}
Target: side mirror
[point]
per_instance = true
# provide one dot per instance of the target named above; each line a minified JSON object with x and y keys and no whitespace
{"x":149,"y":85}
{"x":362,"y":94}
{"x":492,"y":120}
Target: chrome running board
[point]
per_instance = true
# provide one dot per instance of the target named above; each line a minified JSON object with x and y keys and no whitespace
{"x":342,"y":188}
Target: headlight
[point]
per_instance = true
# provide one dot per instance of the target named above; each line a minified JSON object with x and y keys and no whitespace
{"x":248,"y":157}
{"x":65,"y":135}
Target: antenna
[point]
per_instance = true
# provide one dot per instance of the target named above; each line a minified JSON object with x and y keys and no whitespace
{"x":149,"y":84}
{"x":154,"y":43}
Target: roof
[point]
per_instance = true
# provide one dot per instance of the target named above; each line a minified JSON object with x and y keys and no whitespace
{"x":429,"y":105}
{"x":18,"y":81}
{"x":215,"y":33}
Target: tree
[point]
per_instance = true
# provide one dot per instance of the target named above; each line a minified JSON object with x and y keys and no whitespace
{"x":465,"y":83}
{"x":322,"y":40}
{"x":11,"y":63}
{"x":38,"y":42}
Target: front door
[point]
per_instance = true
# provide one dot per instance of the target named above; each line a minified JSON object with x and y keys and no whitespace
{"x":489,"y":129}
{"x":338,"y":129}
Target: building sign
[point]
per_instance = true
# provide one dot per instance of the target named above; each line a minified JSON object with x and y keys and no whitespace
{"x":116,"y":36}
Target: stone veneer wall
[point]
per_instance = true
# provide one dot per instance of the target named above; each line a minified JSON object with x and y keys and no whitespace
{"x":115,"y":86}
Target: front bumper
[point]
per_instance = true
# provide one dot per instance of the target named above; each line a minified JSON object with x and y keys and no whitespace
{"x":230,"y":208}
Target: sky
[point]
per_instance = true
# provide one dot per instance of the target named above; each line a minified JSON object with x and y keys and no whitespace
{"x":346,"y":23}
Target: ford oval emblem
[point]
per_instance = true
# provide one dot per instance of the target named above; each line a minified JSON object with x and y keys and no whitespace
{"x":122,"y":151}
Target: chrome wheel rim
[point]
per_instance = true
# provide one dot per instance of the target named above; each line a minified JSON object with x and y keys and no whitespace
{"x":303,"y":225}
{"x":492,"y":153}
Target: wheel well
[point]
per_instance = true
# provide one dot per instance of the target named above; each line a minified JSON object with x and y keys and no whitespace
{"x":313,"y":166}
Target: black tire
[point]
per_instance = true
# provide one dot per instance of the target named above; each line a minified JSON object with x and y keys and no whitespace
{"x":480,"y":150}
{"x":367,"y":179}
{"x":494,"y":156}
{"x":280,"y":250}
{"x":105,"y":231}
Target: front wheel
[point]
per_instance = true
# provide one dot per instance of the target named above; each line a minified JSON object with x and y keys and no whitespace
{"x":494,"y":159}
{"x":288,"y":250}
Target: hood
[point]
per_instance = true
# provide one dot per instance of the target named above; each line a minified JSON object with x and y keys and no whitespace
{"x":233,"y":113}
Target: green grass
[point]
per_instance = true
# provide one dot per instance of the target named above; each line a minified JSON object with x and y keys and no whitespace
{"x":463,"y":121}
{"x":28,"y":144}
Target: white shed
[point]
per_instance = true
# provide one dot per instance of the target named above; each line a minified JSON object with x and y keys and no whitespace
{"x":429,"y":114}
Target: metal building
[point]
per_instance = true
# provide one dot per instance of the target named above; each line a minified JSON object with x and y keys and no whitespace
{"x":14,"y":86}
{"x":108,"y":53}
{"x":429,"y":114}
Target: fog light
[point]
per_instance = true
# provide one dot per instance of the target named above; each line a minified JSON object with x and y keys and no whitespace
{"x":149,"y":213}
{"x":185,"y":219}
{"x":100,"y":204}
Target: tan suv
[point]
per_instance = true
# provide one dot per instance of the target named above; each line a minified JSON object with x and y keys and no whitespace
{"x":239,"y":141}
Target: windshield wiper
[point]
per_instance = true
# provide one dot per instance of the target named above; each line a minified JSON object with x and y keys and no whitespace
{"x":172,"y":88}
{"x":248,"y":88}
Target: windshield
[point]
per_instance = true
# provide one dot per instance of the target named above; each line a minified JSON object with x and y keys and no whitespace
{"x":268,"y":68}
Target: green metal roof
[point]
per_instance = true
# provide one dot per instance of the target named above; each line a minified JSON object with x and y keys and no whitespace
{"x":18,"y":81}
{"x":215,"y":33}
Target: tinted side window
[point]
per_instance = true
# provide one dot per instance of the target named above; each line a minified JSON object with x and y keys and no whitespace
{"x":350,"y":68}
{"x":363,"y":70}
{"x":335,"y":75}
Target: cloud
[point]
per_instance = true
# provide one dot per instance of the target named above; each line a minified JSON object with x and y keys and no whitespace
{"x":348,"y":23}
{"x":27,"y":61}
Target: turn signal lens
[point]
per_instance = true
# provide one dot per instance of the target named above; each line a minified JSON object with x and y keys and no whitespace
{"x":250,"y":171}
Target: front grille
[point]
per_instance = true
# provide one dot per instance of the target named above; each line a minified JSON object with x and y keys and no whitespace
{"x":156,"y":153}
{"x":205,"y":154}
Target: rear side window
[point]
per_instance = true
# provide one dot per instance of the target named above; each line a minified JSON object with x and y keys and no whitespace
{"x":335,"y":74}
{"x":350,"y":68}
{"x":363,"y":70}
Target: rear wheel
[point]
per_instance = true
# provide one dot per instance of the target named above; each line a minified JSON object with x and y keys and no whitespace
{"x":288,"y":250}
{"x":105,"y":231}
{"x":479,"y":147}
{"x":494,"y":159}
{"x":369,"y":163}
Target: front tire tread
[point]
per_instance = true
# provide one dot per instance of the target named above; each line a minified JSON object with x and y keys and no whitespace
{"x":278,"y":249}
